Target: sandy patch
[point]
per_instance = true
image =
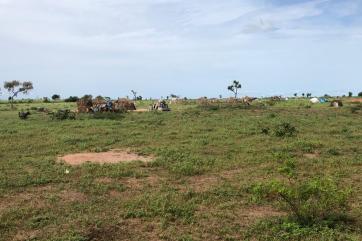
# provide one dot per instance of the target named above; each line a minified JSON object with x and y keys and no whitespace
{"x":26,"y":235}
{"x":112,"y":156}
{"x":72,"y":196}
{"x":259,"y":212}
{"x":355,"y":100}
{"x":311,"y":155}
{"x":140,"y":110}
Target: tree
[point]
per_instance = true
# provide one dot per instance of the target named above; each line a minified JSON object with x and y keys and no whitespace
{"x":303,"y":95}
{"x":235,"y":87}
{"x":360,"y":94}
{"x":350,"y":94}
{"x":309,"y":95}
{"x":134,"y":93}
{"x":55,"y":97}
{"x":72,"y":99}
{"x":174,"y":96}
{"x":295,"y":94}
{"x":16,"y":87}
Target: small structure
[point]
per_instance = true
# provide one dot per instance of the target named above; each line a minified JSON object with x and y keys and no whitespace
{"x":248,"y":100}
{"x":314,"y":100}
{"x":124,"y":104}
{"x":160,"y":105}
{"x":104,"y":105}
{"x":323,"y":100}
{"x":336,"y":103}
{"x":276,"y":98}
{"x":85,"y":105}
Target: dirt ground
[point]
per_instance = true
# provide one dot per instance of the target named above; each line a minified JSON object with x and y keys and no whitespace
{"x":355,"y":100}
{"x":112,"y":156}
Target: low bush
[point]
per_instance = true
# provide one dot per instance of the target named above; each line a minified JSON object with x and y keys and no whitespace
{"x":72,"y":99}
{"x":310,"y":202}
{"x":289,"y":230}
{"x":265,"y":130}
{"x":24,"y":115}
{"x":285,"y":129}
{"x":63,"y":115}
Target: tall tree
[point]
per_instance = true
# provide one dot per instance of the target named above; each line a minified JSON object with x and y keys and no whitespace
{"x":55,"y":97}
{"x":16,"y":87}
{"x":234,"y":87}
{"x":134,"y":93}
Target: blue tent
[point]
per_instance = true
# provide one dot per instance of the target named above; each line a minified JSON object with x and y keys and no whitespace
{"x":323,"y":100}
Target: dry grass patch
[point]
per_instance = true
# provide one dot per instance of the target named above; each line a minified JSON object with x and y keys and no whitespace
{"x":72,"y":196}
{"x":111,"y":157}
{"x":311,"y":155}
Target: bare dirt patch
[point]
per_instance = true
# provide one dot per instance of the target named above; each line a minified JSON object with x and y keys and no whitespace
{"x":311,"y":155}
{"x":355,"y":100}
{"x":26,"y":235}
{"x":203,"y":183}
{"x":72,"y":196}
{"x":112,"y":157}
{"x":259,"y":212}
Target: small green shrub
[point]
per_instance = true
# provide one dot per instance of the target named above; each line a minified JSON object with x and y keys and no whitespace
{"x":63,"y":115}
{"x":311,"y":201}
{"x":285,"y":129}
{"x":333,"y":152}
{"x":289,"y":230}
{"x":272,"y":115}
{"x":265,"y":130}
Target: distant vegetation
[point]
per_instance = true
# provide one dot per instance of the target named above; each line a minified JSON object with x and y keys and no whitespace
{"x":272,"y":168}
{"x":234,"y":87}
{"x":55,"y":97}
{"x":71,"y":99}
{"x":16,"y":87}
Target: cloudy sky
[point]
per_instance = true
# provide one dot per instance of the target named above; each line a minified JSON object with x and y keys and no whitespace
{"x":187,"y":47}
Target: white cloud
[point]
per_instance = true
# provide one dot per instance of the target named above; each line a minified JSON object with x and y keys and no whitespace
{"x":169,"y":40}
{"x":144,"y":24}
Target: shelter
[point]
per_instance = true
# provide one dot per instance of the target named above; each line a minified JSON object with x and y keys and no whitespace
{"x":336,"y":103}
{"x":315,"y":100}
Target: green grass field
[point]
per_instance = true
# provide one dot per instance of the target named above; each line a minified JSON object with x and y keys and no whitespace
{"x":197,"y":188}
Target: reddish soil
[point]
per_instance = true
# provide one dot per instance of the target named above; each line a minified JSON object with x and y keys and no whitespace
{"x":355,"y":100}
{"x":112,"y":156}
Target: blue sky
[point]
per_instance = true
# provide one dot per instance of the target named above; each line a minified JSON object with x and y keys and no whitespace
{"x":188,"y":47}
